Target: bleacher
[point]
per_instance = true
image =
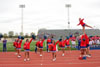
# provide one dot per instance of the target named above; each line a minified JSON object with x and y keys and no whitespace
{"x":67,"y":32}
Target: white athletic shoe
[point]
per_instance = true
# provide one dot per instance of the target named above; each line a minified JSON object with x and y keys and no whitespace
{"x":28,"y":59}
{"x":16,"y":53}
{"x":88,"y":56}
{"x":54,"y":59}
{"x":19,"y":56}
{"x":24,"y":59}
{"x":40,"y":54}
{"x":62,"y":54}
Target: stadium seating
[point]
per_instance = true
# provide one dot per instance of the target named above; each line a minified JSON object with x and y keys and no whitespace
{"x":67,"y":32}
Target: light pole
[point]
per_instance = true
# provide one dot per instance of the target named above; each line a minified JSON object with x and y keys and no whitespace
{"x":22,"y":6}
{"x":68,"y":6}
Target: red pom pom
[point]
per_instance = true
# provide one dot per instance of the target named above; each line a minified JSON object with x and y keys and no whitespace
{"x":81,"y":58}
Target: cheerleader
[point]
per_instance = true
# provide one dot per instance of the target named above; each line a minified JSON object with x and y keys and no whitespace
{"x":83,"y":24}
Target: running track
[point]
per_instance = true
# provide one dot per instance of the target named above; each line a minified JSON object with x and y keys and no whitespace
{"x":9,"y":59}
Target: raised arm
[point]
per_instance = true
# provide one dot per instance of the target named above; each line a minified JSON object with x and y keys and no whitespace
{"x":57,"y":42}
{"x":30,"y":40}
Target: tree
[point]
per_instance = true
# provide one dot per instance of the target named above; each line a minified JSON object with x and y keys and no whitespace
{"x":16,"y":35}
{"x":26,"y":35}
{"x":21,"y":33}
{"x":11,"y":34}
{"x":5,"y":35}
{"x":32,"y":34}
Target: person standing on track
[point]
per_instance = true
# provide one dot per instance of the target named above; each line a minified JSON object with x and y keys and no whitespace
{"x":19,"y":45}
{"x":48,"y":42}
{"x":15,"y":45}
{"x":36,"y":46}
{"x":52,"y":48}
{"x":61,"y":43}
{"x":27,"y":49}
{"x":87,"y":46}
{"x":79,"y":42}
{"x":40,"y":45}
{"x":67,"y":42}
{"x":83,"y":46}
{"x":4,"y":45}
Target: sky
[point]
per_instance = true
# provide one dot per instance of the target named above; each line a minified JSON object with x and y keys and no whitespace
{"x":48,"y":14}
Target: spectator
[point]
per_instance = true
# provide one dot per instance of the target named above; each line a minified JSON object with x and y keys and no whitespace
{"x":4,"y":45}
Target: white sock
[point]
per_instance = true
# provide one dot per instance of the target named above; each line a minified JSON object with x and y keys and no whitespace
{"x":24,"y":59}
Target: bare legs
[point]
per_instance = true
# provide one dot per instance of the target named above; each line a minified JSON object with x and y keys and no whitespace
{"x":83,"y":52}
{"x":69,"y":49}
{"x":27,"y":56}
{"x":63,"y":50}
{"x":40,"y":51}
{"x":86,"y":26}
{"x":18,"y":51}
{"x":54,"y":56}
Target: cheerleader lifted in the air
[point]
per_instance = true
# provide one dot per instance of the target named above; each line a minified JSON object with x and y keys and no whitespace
{"x":83,"y":24}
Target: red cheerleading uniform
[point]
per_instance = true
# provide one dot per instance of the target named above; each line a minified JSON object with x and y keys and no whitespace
{"x":87,"y":39}
{"x":67,"y":41}
{"x":15,"y":44}
{"x":37,"y":43}
{"x":40,"y":43}
{"x":52,"y":47}
{"x":83,"y":43}
{"x":61,"y":43}
{"x":19,"y":44}
{"x":27,"y":44}
{"x":48,"y":41}
{"x":81,"y":22}
{"x":73,"y":38}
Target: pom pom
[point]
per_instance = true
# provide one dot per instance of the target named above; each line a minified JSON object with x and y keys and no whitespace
{"x":33,"y":36}
{"x":45,"y":37}
{"x":67,"y":37}
{"x":71,"y":35}
{"x":22,"y":38}
{"x":60,"y":39}
{"x":1,"y":35}
{"x":19,"y":37}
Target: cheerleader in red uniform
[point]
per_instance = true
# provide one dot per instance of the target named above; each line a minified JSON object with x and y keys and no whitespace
{"x":52,"y":48}
{"x":27,"y":49}
{"x":83,"y":24}
{"x":67,"y":43}
{"x":87,"y":46}
{"x":83,"y":46}
{"x":40,"y":45}
{"x":15,"y":45}
{"x":48,"y":42}
{"x":19,"y":47}
{"x":61,"y":43}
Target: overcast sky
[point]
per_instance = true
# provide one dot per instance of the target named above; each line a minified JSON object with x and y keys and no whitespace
{"x":49,"y":14}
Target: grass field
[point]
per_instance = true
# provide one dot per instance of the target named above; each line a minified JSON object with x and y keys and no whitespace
{"x":32,"y":46}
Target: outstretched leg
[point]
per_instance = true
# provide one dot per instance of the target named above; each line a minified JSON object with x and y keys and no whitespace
{"x":88,"y":26}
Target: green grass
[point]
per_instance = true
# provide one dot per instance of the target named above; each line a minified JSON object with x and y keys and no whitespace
{"x":10,"y":47}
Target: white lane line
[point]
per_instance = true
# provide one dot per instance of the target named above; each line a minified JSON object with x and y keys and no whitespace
{"x":50,"y":60}
{"x":56,"y":63}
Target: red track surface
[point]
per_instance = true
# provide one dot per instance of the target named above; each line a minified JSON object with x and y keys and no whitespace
{"x":8,"y":59}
